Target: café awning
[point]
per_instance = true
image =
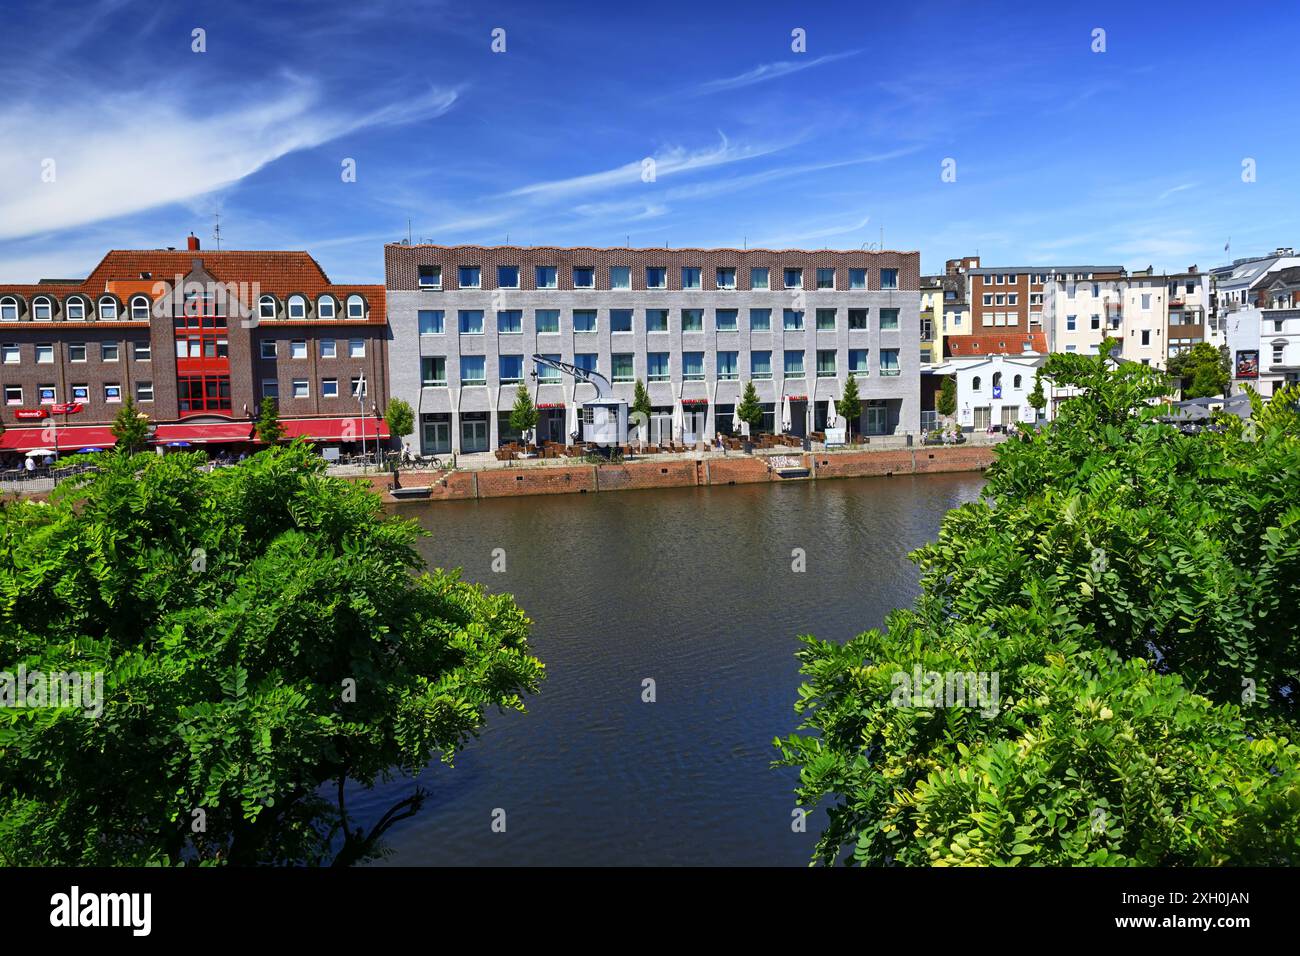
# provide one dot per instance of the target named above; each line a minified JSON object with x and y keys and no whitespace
{"x":70,"y":438}
{"x":335,"y":429}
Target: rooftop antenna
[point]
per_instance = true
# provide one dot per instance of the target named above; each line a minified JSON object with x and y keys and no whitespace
{"x":216,"y":228}
{"x":745,"y":242}
{"x":408,"y":230}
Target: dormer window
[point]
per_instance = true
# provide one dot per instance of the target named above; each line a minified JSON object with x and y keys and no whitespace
{"x":266,"y":307}
{"x":325,"y":307}
{"x":108,"y":308}
{"x":75,"y":309}
{"x":297,"y":307}
{"x":356,"y":307}
{"x":8,"y":309}
{"x":139,"y":309}
{"x":42,"y":308}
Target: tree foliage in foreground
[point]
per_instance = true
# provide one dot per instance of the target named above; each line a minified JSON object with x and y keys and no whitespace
{"x":229,"y":611}
{"x":1137,"y":591}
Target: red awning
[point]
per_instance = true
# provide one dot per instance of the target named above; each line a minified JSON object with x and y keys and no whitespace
{"x":71,"y":437}
{"x":335,"y":429}
{"x":204,"y":433}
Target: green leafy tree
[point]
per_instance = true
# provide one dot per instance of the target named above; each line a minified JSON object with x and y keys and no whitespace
{"x":523,"y":417}
{"x":641,"y":409}
{"x":1201,"y":371}
{"x":750,"y":410}
{"x":400,"y":418}
{"x":269,"y":427}
{"x":1136,"y":592}
{"x":947,"y":403}
{"x":269,"y":642}
{"x":130,"y":426}
{"x":1037,"y":398}
{"x":850,"y":405}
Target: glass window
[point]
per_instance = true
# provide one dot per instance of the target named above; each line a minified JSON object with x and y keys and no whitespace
{"x":430,"y":278}
{"x":545,"y":373}
{"x":889,"y":362}
{"x":510,"y":321}
{"x":623,"y":367}
{"x":12,"y":357}
{"x":512,"y":369}
{"x":431,"y":322}
{"x":108,"y":308}
{"x":507,"y":277}
{"x":13,"y":394}
{"x":726,"y":319}
{"x":433,"y":371}
{"x":888,"y":320}
{"x":328,"y":348}
{"x":473,"y":370}
{"x":760,"y":365}
{"x":620,"y":320}
{"x":548,"y":320}
{"x":9,"y":310}
{"x":298,"y":349}
{"x":301,"y":389}
{"x":76,"y":310}
{"x":657,"y":367}
{"x":826,"y":278}
{"x":81,"y":393}
{"x":690,"y":278}
{"x":793,"y":320}
{"x":324,"y":307}
{"x":857,"y":319}
{"x":793,"y":364}
{"x":584,"y":277}
{"x":329,"y":388}
{"x":656,"y":277}
{"x":587,"y":361}
{"x":584,"y":320}
{"x":692,"y":366}
{"x":357,"y":347}
{"x":358,"y":387}
{"x":112,"y":392}
{"x":825,"y":363}
{"x":656,"y":320}
{"x":825,"y":320}
{"x":471,"y":321}
{"x":857,"y":279}
{"x":547,"y":277}
{"x":726,"y":278}
{"x":889,"y":278}
{"x":469,"y":277}
{"x":268,"y":349}
{"x":692,"y":320}
{"x":45,"y":354}
{"x":620,"y":277}
{"x":858,"y":361}
{"x":356,"y":307}
{"x":41,"y":309}
{"x":108,"y":351}
{"x":760,"y":320}
{"x":48,"y":394}
{"x":297,"y":307}
{"x":728,"y":366}
{"x":794,"y":278}
{"x":139,"y":309}
{"x":758,"y":278}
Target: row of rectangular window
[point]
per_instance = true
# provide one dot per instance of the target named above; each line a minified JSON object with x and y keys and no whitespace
{"x":186,"y":347}
{"x":301,"y":387}
{"x":656,"y":277}
{"x":328,"y":348}
{"x":473,"y":368}
{"x":49,"y":394}
{"x":511,"y":321}
{"x":77,"y":352}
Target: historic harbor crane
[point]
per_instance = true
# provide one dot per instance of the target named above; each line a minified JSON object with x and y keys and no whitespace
{"x":604,"y":418}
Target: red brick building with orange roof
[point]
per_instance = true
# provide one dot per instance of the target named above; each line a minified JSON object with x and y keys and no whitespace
{"x":198,"y":339}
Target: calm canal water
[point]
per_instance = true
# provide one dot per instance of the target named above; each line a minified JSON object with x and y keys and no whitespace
{"x":693,"y":588}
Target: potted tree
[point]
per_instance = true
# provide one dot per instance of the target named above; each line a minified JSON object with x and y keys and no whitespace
{"x":750,"y":412}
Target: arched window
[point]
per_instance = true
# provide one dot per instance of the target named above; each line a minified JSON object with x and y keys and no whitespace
{"x":997,"y":379}
{"x":975,"y":384}
{"x":8,"y":309}
{"x":297,"y":307}
{"x":108,"y":308}
{"x":325,"y":307}
{"x":356,"y":307}
{"x":1016,"y":382}
{"x":266,"y":307}
{"x":42,"y":308}
{"x":140,"y":308}
{"x":75,"y":309}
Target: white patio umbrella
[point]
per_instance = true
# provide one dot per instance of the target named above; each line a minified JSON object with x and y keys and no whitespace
{"x":40,"y":452}
{"x":679,"y":422}
{"x":735,"y":417}
{"x":572,"y":416}
{"x":787,"y":418}
{"x":831,"y":414}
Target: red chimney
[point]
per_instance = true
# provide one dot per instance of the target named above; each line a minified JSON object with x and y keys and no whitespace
{"x":193,"y":243}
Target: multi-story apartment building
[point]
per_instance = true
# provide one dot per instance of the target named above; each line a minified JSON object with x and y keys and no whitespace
{"x":1264,"y":338}
{"x":1236,"y":286}
{"x":931,"y":320}
{"x":198,"y":339}
{"x":694,"y":324}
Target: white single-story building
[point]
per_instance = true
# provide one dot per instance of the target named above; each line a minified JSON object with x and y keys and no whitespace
{"x":993,"y":389}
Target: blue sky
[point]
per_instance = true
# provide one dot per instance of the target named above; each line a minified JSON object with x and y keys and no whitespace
{"x":1131,"y":156}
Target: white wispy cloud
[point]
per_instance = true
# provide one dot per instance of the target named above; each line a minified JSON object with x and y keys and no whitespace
{"x":768,"y":71}
{"x":824,"y":232}
{"x":113,"y":155}
{"x":1177,"y":189}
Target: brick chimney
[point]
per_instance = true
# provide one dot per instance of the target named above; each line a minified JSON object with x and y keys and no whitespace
{"x":193,"y":243}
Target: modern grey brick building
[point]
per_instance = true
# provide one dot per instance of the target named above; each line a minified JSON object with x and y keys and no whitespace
{"x":693,"y":324}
